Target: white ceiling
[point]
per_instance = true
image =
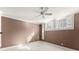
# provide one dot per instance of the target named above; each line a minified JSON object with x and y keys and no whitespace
{"x":30,"y":14}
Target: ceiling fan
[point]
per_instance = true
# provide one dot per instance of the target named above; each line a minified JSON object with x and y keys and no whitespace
{"x":44,"y":12}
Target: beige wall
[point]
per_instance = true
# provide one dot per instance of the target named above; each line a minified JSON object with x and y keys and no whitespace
{"x":69,"y":38}
{"x":18,"y":32}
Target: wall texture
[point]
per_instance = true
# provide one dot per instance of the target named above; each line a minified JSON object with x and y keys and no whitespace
{"x":17,"y":32}
{"x":67,"y":38}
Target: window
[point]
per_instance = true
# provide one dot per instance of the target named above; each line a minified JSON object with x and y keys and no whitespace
{"x":63,"y":24}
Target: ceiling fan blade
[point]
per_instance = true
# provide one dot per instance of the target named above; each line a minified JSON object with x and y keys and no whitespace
{"x":46,"y":9}
{"x":42,"y":8}
{"x":39,"y":10}
{"x":48,"y":14}
{"x":43,"y":16}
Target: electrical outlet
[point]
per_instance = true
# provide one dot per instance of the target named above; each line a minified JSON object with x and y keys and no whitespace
{"x":62,"y":43}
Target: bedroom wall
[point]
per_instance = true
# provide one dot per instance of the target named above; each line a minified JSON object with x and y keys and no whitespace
{"x":18,"y":32}
{"x":67,"y":38}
